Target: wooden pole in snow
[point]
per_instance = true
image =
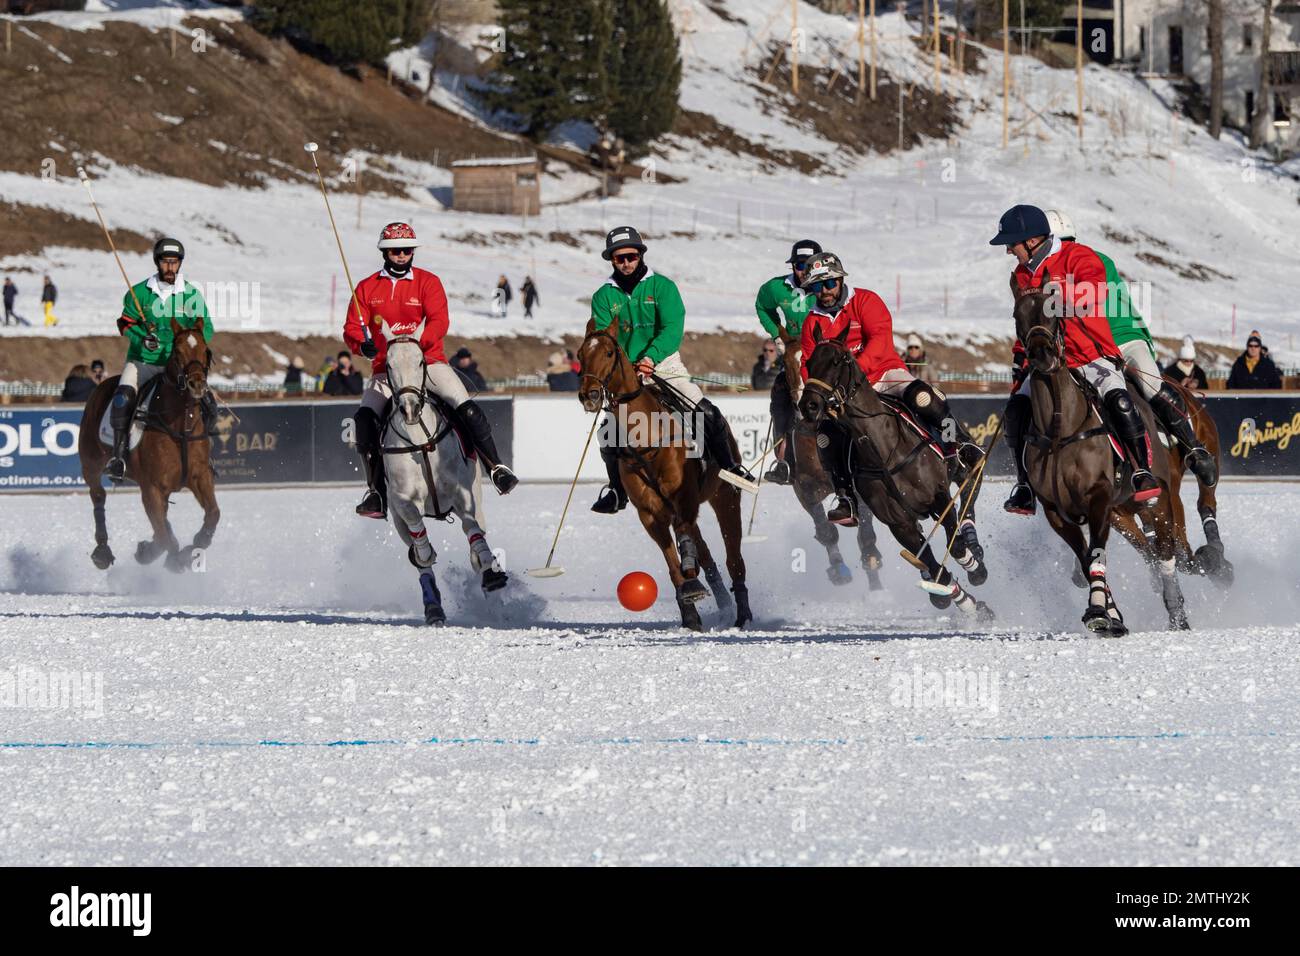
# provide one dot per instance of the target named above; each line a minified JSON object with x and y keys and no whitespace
{"x":794,"y":47}
{"x":1006,"y":68}
{"x":1078,"y":60}
{"x":938,"y":70}
{"x":862,"y":58}
{"x":873,"y":50}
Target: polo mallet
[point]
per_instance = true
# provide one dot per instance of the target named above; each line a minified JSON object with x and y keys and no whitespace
{"x":750,"y":537}
{"x":85,"y":181}
{"x":546,"y":571}
{"x":311,"y":148}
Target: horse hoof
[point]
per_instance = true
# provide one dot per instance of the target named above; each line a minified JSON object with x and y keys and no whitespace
{"x":494,"y":580}
{"x":103,"y":557}
{"x":434,"y":615}
{"x":692,"y":591}
{"x":690,"y":616}
{"x":839,"y":574}
{"x":176,"y":562}
{"x":1096,"y":620}
{"x":873,"y":581}
{"x":979,"y":575}
{"x":146,"y":552}
{"x":1116,"y":629}
{"x":941,"y":601}
{"x":984,"y":613}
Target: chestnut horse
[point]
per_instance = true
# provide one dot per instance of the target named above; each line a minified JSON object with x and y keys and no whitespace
{"x":664,"y":482}
{"x":1208,"y":559}
{"x":1072,"y":470}
{"x":172,"y":454}
{"x":812,"y":487}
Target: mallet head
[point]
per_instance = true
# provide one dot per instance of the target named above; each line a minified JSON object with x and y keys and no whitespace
{"x":310,"y":147}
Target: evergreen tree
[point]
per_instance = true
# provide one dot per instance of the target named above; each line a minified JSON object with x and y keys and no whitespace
{"x":343,"y":31}
{"x":552,"y":67}
{"x":644,"y":72}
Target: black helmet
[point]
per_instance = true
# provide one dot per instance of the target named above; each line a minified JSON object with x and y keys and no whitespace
{"x":168,"y":247}
{"x":802,"y":250}
{"x":622,"y":237}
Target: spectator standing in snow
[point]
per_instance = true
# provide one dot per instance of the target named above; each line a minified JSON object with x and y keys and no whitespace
{"x":531,"y":298}
{"x":345,"y":379}
{"x":293,"y":376}
{"x":78,"y":386}
{"x":917,"y":362}
{"x":766,"y":369}
{"x":49,"y":294}
{"x":97,"y":371}
{"x":1185,"y":371}
{"x":573,"y":361}
{"x":11,"y":293}
{"x":465,"y":366}
{"x":326,"y":367}
{"x":501,"y":298}
{"x":560,"y":376}
{"x":1253,"y":368}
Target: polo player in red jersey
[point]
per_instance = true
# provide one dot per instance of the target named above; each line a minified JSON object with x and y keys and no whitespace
{"x":401,"y":300}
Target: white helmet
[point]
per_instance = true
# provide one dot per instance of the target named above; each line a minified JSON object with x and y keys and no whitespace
{"x":1062,"y":228}
{"x":824,"y":265}
{"x":1187,"y":353}
{"x":397,"y":235}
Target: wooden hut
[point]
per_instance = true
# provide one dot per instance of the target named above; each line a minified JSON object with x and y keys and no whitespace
{"x":501,"y":185}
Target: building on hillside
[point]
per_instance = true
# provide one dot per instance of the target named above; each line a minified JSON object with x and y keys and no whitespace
{"x":506,"y":185}
{"x":1171,"y":37}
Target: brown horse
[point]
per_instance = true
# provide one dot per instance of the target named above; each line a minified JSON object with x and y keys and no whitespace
{"x":664,"y":482}
{"x":172,"y":454}
{"x":1071,"y":467}
{"x":812,"y":487}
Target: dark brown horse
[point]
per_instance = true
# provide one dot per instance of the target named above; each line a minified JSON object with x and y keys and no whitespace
{"x":812,"y":487}
{"x":894,"y":471}
{"x":172,"y":454}
{"x":1073,"y":472}
{"x":666,"y":483}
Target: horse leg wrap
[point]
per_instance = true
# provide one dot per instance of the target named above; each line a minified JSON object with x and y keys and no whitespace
{"x":1210,"y":525}
{"x":688,"y":555}
{"x":101,"y":524}
{"x":1098,"y":590}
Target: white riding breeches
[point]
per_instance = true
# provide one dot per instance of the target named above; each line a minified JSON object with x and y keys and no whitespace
{"x":1100,"y":374}
{"x":135,"y":374}
{"x":1138,"y":356}
{"x":440,"y":377}
{"x":893,"y":382}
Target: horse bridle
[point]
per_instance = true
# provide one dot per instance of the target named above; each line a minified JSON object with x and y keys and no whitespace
{"x":835,"y":396}
{"x":431,"y":439}
{"x":607,"y":398}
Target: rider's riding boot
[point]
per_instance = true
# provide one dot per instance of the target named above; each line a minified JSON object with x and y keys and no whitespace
{"x":717,"y":442}
{"x":613,"y":498}
{"x":373,"y":505}
{"x":1133,"y":433}
{"x":1016,"y":422}
{"x":779,"y":473}
{"x":208,"y":410}
{"x":834,"y":458}
{"x":1169,"y":406}
{"x":119,"y":417}
{"x":503,"y":479}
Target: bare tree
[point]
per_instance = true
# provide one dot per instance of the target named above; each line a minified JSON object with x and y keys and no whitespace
{"x":1264,"y":107}
{"x":1216,"y":67}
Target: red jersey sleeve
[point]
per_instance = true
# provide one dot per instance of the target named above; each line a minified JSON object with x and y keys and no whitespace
{"x":436,"y":320}
{"x":877,"y":334}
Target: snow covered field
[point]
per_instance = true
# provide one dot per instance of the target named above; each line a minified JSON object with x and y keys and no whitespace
{"x":284,"y":705}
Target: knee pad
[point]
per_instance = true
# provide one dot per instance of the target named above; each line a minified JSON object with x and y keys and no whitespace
{"x":1121,"y":401}
{"x":925,"y":402}
{"x":123,"y":405}
{"x":471,"y":413}
{"x":367,"y":430}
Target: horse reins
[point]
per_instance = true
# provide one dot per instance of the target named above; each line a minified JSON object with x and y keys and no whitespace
{"x":431,"y":440}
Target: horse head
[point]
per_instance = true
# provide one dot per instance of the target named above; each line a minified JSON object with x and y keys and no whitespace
{"x":405,"y":363}
{"x":190,"y":361}
{"x":833,"y":376}
{"x":1038,"y":323}
{"x":607,"y":374}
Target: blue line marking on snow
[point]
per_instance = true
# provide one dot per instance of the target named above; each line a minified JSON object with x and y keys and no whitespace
{"x":613,"y":741}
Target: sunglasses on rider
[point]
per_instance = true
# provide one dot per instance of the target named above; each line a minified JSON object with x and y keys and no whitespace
{"x":627,"y":257}
{"x":828,"y":285}
{"x":401,"y":252}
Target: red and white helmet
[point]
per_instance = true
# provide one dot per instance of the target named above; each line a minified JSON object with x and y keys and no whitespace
{"x":397,"y":235}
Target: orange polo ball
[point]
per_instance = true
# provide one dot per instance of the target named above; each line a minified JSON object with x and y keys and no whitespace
{"x":637,"y":591}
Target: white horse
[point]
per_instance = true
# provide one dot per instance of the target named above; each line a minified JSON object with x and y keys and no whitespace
{"x":430,"y":474}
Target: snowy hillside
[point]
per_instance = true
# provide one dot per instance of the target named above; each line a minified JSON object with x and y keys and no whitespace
{"x":1205,"y":224}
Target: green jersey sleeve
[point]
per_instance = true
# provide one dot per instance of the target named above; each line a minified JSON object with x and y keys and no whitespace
{"x":670,"y":321}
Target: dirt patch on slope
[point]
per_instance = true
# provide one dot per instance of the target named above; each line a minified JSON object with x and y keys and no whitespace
{"x":30,"y":229}
{"x":236,"y":112}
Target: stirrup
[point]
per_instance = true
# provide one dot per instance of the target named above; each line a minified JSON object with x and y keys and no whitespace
{"x":372,"y":505}
{"x":610,"y":502}
{"x":503,"y":479}
{"x":779,"y":473}
{"x":115,"y":470}
{"x":1148,"y":495}
{"x":844,"y":513}
{"x":1021,"y":501}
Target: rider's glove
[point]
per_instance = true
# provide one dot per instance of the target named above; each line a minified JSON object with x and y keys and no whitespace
{"x":369,"y":349}
{"x":151,"y":343}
